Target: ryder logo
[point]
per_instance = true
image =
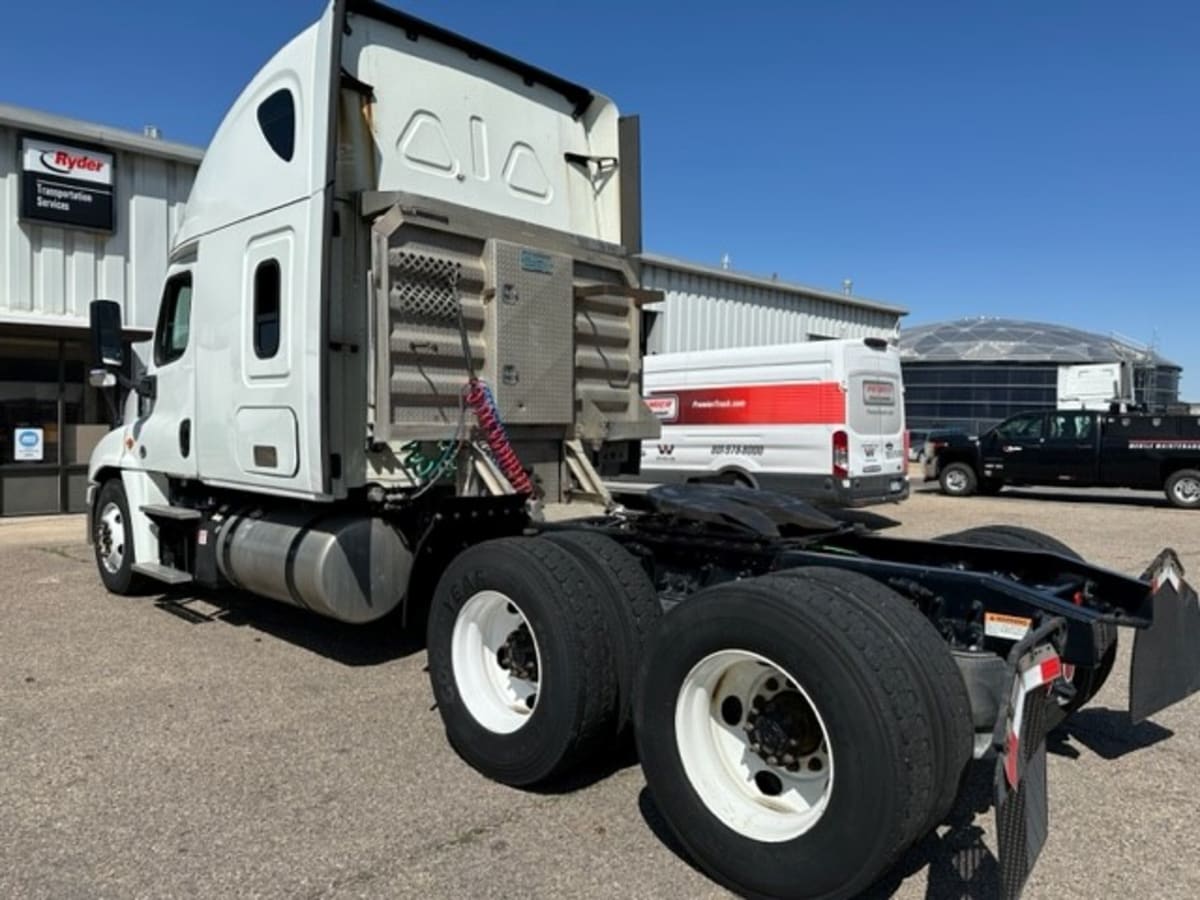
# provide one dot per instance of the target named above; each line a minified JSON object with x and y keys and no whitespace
{"x":63,"y":162}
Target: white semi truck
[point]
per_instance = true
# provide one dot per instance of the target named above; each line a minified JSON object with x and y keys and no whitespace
{"x":399,"y":317}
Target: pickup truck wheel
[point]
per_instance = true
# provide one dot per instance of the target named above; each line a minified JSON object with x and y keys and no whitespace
{"x":631,"y":603}
{"x":774,"y":719}
{"x":944,"y":691}
{"x":112,"y":540}
{"x":1087,"y":680}
{"x":520,"y":660}
{"x":1183,"y":489}
{"x":958,"y":480}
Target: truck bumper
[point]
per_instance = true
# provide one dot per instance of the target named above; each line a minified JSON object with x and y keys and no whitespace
{"x":867,"y":490}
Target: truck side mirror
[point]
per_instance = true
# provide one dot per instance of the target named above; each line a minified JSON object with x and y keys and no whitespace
{"x":105,"y":319}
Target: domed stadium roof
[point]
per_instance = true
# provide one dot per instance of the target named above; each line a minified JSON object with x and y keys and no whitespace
{"x":1016,"y":340}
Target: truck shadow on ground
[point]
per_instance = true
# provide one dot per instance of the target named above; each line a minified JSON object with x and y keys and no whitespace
{"x":958,"y":860}
{"x":1084,"y":497}
{"x":1108,"y":733}
{"x":372,"y":644}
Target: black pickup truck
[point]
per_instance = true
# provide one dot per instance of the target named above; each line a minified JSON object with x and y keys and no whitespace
{"x":1074,"y":448}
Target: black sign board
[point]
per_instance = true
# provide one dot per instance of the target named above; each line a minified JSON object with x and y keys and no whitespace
{"x":66,"y":184}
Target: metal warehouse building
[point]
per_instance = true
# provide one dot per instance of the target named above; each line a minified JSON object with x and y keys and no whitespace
{"x":970,"y":374}
{"x":711,"y":308}
{"x":86,"y":212}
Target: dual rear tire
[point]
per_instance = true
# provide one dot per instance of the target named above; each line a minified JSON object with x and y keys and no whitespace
{"x":532,"y":649}
{"x":798,"y":731}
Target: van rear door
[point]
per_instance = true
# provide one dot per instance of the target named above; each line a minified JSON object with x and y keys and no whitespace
{"x":874,"y":410}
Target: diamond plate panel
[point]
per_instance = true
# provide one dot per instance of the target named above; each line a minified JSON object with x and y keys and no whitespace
{"x":534,"y":376}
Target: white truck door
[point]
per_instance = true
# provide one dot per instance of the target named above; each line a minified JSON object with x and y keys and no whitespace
{"x":166,"y":435}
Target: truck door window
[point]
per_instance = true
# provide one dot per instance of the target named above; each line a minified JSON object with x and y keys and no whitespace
{"x":266,"y":309}
{"x":1070,"y":426}
{"x":174,"y":320}
{"x":277,"y":119}
{"x":1022,"y":428}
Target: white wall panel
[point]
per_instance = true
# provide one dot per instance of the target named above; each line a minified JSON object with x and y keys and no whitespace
{"x":704,"y":310}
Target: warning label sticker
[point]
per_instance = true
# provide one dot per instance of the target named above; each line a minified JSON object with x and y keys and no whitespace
{"x":1005,"y":627}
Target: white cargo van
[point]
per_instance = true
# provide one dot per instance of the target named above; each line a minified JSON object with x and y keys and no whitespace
{"x":823,"y":419}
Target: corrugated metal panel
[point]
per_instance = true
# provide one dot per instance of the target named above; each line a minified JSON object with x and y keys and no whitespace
{"x":706,"y":312}
{"x":55,"y":272}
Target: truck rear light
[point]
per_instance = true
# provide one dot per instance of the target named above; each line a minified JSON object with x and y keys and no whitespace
{"x":907,"y":443}
{"x":841,"y":454}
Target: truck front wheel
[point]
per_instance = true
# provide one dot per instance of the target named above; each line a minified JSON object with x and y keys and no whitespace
{"x":1183,"y":489}
{"x":774,"y":719}
{"x":958,"y":480}
{"x":112,"y":540}
{"x":521,"y":661}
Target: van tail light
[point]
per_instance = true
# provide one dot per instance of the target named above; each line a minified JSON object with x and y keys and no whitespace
{"x":907,"y":443}
{"x":841,"y":455}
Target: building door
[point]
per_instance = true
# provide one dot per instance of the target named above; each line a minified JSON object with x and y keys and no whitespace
{"x":50,"y":419}
{"x":30,"y":374}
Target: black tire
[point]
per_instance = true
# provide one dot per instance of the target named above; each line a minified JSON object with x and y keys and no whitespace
{"x":943,"y":689}
{"x":878,"y":729}
{"x":118,"y":578}
{"x":1087,"y":680}
{"x":958,"y":480}
{"x":576,"y":699}
{"x":632,"y":605}
{"x":1013,"y":537}
{"x":1183,"y":489}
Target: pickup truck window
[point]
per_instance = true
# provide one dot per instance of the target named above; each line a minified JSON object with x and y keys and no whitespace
{"x":1071,"y":426}
{"x":174,"y":320}
{"x":1022,"y":427}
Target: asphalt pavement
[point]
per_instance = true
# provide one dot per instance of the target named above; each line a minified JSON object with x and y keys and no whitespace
{"x":227,"y":746}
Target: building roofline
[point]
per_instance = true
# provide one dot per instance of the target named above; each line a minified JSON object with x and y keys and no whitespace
{"x":787,"y":287}
{"x":34,"y":120}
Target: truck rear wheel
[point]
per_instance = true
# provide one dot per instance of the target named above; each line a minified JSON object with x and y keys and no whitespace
{"x":774,"y":719}
{"x":958,"y":480}
{"x":520,"y":659}
{"x":1087,"y":680}
{"x":944,"y":691}
{"x":1183,"y":489}
{"x":112,"y":540}
{"x":632,"y":605}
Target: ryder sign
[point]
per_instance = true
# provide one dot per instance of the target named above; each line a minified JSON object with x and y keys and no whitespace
{"x":62,"y":184}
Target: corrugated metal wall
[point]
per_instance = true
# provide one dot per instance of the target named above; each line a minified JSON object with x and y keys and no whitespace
{"x":706,"y":312}
{"x":48,"y":271}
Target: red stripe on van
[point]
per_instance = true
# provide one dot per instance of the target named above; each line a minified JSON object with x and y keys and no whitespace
{"x":820,"y":403}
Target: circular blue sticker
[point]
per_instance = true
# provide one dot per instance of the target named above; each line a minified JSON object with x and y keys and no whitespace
{"x":28,"y":439}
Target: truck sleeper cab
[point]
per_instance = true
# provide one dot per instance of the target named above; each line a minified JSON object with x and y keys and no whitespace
{"x":823,"y":420}
{"x":400,"y":319}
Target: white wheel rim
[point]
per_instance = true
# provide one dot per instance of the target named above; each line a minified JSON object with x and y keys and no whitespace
{"x":110,"y":538}
{"x":956,"y":480}
{"x":1187,"y":490}
{"x":500,"y":697}
{"x":736,"y":781}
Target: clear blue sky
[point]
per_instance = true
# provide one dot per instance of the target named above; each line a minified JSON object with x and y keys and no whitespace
{"x":1021,"y":158}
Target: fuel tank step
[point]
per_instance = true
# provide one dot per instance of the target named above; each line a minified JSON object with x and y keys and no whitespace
{"x":159,"y":572}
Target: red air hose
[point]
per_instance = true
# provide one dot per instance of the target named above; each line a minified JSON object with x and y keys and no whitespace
{"x":480,"y":399}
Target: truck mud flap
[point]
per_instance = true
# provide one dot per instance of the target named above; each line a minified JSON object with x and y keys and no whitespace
{"x":1022,"y":813}
{"x":1166,"y":656}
